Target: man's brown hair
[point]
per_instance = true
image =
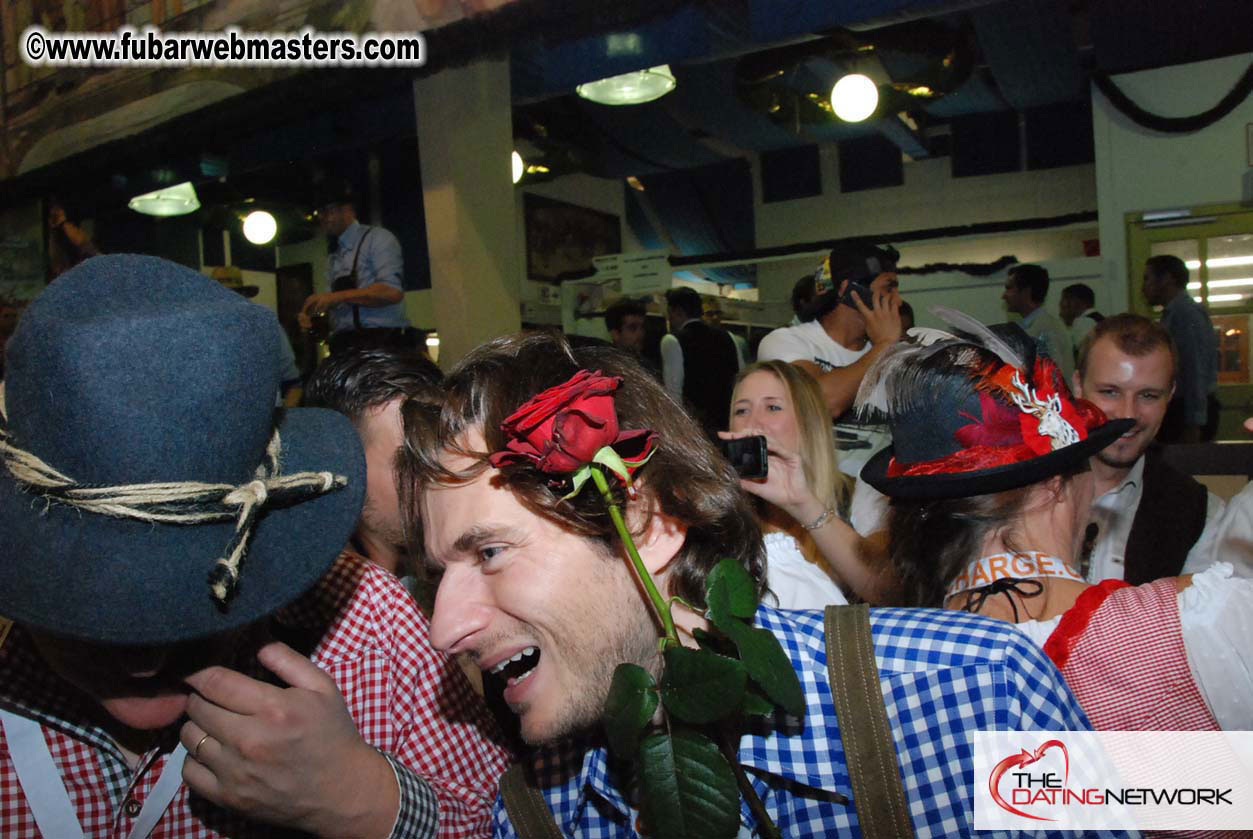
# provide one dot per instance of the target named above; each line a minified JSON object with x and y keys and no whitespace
{"x":686,"y":479}
{"x":1135,"y":335}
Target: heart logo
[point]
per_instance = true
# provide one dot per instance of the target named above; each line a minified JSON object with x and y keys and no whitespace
{"x":1025,"y":758}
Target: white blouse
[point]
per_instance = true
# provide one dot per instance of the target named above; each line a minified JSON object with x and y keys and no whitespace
{"x":795,"y":582}
{"x":1216,"y":617}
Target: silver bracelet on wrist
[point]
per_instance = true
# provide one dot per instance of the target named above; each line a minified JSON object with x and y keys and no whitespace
{"x":821,"y":520}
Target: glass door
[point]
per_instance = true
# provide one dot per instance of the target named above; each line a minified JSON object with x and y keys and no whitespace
{"x":1216,"y":245}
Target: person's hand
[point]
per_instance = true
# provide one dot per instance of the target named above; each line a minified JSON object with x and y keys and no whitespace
{"x":317,"y":303}
{"x":785,"y":484}
{"x":287,"y":756}
{"x":883,"y":320}
{"x":304,"y":321}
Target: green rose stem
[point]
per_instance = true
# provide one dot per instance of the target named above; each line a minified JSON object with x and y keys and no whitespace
{"x":730,"y":751}
{"x":660,"y":605}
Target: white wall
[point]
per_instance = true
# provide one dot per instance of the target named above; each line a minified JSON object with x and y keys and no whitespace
{"x":541,"y":301}
{"x":929,"y":198}
{"x":1138,"y":169}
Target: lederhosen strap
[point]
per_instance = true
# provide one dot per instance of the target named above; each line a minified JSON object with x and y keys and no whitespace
{"x":352,"y":278}
{"x":869,"y":751}
{"x":528,"y":812}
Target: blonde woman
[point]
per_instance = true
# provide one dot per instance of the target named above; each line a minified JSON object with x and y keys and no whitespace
{"x":813,"y":557}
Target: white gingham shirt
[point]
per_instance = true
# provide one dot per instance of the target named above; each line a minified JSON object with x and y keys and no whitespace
{"x":409,"y":702}
{"x":944,"y":674}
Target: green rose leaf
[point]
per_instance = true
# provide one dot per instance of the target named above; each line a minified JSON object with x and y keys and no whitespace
{"x":699,"y":687}
{"x":769,"y":666}
{"x":629,"y":708}
{"x":578,"y":478}
{"x":688,"y":789}
{"x":730,"y":593}
{"x":709,"y":641}
{"x":756,"y":705}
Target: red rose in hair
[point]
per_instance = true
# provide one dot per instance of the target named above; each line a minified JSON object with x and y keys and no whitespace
{"x":565,"y":427}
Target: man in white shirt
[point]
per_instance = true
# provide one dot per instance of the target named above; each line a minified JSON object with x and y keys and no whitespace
{"x":854,"y":317}
{"x":1025,"y":290}
{"x":1078,"y":311}
{"x":1150,"y":520}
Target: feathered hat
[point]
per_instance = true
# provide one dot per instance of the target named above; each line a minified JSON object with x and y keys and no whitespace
{"x":976,"y":411}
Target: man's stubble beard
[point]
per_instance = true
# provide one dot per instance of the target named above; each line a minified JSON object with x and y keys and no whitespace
{"x":633,"y":642}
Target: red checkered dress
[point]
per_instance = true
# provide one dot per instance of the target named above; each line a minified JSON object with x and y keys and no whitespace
{"x":410,"y":702}
{"x":1121,"y":650}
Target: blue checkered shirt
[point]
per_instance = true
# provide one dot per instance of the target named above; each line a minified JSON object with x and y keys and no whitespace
{"x":944,"y":675}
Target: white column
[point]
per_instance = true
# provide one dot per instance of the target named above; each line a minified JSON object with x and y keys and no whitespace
{"x":465,"y":136}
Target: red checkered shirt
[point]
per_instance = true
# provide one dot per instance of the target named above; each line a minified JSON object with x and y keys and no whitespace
{"x":1121,"y":650}
{"x":408,"y":701}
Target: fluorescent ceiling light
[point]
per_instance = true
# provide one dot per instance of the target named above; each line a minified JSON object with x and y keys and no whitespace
{"x":630,"y":88}
{"x":176,"y":200}
{"x":1236,"y":283}
{"x":260,"y":227}
{"x":1165,"y":215}
{"x":1222,"y":298}
{"x":854,"y":97}
{"x":1220,"y":262}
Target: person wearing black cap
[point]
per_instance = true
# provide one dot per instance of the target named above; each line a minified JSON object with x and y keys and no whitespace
{"x":990,"y":486}
{"x":366,"y":300}
{"x":854,"y":317}
{"x":163,"y":523}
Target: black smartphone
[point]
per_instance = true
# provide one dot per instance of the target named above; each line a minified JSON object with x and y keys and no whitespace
{"x":861,"y":290}
{"x":748,"y":456}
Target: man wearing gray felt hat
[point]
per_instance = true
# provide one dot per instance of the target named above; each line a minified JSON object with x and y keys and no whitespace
{"x":163,"y":523}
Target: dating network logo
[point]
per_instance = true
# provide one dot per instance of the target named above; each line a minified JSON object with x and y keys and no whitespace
{"x":1029,"y":788}
{"x":1036,"y":788}
{"x":1113,"y":780}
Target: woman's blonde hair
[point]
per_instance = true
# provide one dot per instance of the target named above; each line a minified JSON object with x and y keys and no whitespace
{"x":817,"y":442}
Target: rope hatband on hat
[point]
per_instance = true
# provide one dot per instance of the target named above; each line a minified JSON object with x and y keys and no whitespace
{"x":178,"y":502}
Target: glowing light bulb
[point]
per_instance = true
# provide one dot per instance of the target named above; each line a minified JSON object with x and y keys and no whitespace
{"x":259,"y":227}
{"x":854,"y":97}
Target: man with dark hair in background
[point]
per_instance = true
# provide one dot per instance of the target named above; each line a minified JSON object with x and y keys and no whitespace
{"x":369,"y":387}
{"x":1025,"y":290}
{"x":1148,"y":520}
{"x":698,"y":361}
{"x":1078,"y":311}
{"x":845,"y":331}
{"x":907,"y":317}
{"x":365,"y":272}
{"x":625,"y":321}
{"x":802,"y":300}
{"x":1193,"y":413}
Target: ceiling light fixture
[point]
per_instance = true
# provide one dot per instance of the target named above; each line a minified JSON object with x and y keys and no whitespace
{"x":260,"y":227}
{"x":630,"y":88}
{"x":854,"y":97}
{"x":518,"y":165}
{"x":178,"y":200}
